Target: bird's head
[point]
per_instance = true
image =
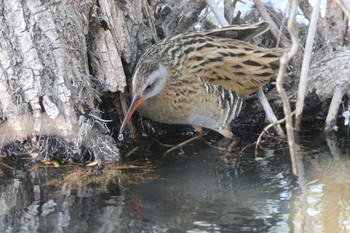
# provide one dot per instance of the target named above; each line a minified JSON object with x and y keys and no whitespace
{"x":149,"y":80}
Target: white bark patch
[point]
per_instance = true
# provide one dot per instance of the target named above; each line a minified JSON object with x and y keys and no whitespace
{"x":7,"y":105}
{"x":43,"y":18}
{"x":64,"y":93}
{"x":111,"y":66}
{"x":50,"y":107}
{"x":6,"y":73}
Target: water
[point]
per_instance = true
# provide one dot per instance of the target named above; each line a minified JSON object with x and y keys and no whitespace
{"x":120,"y":137}
{"x":195,"y":193}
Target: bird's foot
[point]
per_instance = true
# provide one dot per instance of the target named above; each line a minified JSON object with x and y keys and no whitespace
{"x":173,"y":147}
{"x":197,"y":136}
{"x":181,"y":153}
{"x":225,"y":144}
{"x":227,"y":159}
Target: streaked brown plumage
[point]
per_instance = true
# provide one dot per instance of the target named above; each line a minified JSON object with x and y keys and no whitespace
{"x":201,"y":78}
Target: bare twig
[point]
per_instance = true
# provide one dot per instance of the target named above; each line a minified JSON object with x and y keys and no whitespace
{"x":282,"y":26}
{"x":215,"y":9}
{"x":223,"y":22}
{"x":5,"y":165}
{"x":279,"y":82}
{"x":269,"y":113}
{"x":345,"y":5}
{"x":306,"y":63}
{"x":265,"y":130}
{"x":307,"y":10}
{"x":228,"y":10}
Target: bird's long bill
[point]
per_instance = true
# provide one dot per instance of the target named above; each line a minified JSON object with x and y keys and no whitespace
{"x":136,"y":101}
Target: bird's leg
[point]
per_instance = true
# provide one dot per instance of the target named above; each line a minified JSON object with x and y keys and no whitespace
{"x":163,"y":144}
{"x":228,"y":142}
{"x":198,"y":135}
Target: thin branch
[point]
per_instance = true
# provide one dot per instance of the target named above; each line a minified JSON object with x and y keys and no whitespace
{"x":265,"y":130}
{"x":345,"y":5}
{"x":269,"y":113}
{"x":307,"y":10}
{"x":331,"y":120}
{"x":279,"y":83}
{"x":306,"y":63}
{"x":215,"y":9}
{"x":228,"y":10}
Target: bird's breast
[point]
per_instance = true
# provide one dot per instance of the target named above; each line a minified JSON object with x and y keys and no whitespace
{"x":193,"y":102}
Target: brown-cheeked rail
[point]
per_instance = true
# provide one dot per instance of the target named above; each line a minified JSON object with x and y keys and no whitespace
{"x":201,"y":78}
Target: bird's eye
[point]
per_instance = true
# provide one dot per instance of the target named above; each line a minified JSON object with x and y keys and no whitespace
{"x":148,"y":87}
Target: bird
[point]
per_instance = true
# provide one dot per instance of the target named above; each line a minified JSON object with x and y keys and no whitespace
{"x":201,"y":78}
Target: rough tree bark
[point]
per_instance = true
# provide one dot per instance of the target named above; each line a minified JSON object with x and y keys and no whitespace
{"x":56,"y":60}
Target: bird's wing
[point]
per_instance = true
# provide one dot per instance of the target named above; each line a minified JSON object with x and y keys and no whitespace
{"x":235,"y":65}
{"x":239,"y":32}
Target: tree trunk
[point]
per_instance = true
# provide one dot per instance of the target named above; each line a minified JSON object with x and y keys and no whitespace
{"x":337,"y":24}
{"x":56,"y":60}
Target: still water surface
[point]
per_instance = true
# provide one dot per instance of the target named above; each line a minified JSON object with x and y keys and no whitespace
{"x":195,"y":193}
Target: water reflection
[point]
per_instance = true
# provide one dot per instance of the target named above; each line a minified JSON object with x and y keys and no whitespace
{"x":186,"y":194}
{"x":322,"y":203}
{"x":36,"y":201}
{"x":194,"y":196}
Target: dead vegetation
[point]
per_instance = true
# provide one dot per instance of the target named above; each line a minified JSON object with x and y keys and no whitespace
{"x":119,"y":176}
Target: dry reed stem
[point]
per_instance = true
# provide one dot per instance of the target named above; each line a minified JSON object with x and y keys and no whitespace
{"x":287,"y":56}
{"x":345,"y":5}
{"x":271,"y":116}
{"x":306,"y":63}
{"x":228,"y":9}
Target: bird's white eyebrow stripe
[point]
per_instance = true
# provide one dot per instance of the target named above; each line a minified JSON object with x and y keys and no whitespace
{"x":161,"y":71}
{"x":134,"y":80}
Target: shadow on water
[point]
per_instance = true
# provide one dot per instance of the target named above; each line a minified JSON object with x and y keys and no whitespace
{"x":195,"y":193}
